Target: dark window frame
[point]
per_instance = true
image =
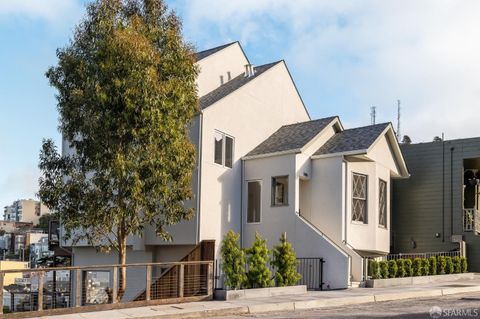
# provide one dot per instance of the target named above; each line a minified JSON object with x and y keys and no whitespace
{"x":357,"y":198}
{"x":260,"y":202}
{"x":285,"y":191}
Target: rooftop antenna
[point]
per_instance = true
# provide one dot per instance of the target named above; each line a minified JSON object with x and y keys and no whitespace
{"x":399,"y":136}
{"x":373,"y":114}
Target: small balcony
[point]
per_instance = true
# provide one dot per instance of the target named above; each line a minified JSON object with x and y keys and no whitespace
{"x":471,"y":220}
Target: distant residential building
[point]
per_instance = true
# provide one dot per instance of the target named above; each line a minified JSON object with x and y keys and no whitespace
{"x":25,"y":210}
{"x":9,"y":278}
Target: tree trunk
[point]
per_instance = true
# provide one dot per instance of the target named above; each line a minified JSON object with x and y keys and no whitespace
{"x":122,"y":260}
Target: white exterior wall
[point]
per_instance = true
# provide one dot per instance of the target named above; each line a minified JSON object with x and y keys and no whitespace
{"x":249,"y":115}
{"x":306,"y":239}
{"x":230,"y":59}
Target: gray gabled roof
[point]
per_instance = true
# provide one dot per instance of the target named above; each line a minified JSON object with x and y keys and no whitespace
{"x":203,"y":54}
{"x":291,"y":137}
{"x":355,"y":139}
{"x":232,"y":85}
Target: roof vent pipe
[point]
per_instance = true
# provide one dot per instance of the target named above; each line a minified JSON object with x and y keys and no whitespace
{"x":249,"y":70}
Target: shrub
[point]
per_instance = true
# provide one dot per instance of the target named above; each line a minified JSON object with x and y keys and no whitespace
{"x":392,"y":268}
{"x":401,"y":272}
{"x":417,"y":267}
{"x":425,"y":267}
{"x":373,"y":269}
{"x":285,"y":263}
{"x":441,"y":264}
{"x":433,"y":265}
{"x":448,"y":265}
{"x":457,"y":265}
{"x":233,"y":261}
{"x":464,"y":264}
{"x":383,"y":269}
{"x":408,"y":267}
{"x":258,"y":257}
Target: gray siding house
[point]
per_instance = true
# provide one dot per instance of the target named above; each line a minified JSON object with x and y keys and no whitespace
{"x":439,"y":205}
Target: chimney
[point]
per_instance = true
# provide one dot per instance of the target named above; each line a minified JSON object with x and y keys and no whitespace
{"x":249,"y":70}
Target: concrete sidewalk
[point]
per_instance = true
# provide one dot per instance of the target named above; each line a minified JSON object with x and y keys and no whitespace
{"x":310,"y":300}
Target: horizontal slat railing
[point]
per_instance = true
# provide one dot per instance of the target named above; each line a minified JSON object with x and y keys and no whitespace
{"x":60,"y":290}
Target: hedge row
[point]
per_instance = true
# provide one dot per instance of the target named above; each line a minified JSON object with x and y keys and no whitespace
{"x":417,"y":267}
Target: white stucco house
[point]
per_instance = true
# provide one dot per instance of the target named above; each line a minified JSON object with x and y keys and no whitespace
{"x":265,"y":166}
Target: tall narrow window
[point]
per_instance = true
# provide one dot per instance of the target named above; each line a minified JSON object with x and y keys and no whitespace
{"x":224,"y":146}
{"x":359,"y":198}
{"x":218,"y":148}
{"x":280,"y":191}
{"x":254,"y":202}
{"x":382,"y":203}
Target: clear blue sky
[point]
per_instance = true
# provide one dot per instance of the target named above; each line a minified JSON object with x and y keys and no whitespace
{"x":345,"y":56}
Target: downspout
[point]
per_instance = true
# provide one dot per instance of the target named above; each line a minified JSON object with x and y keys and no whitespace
{"x":345,"y":239}
{"x":443,"y":191}
{"x":242,"y":171}
{"x":451,"y":190}
{"x":199,"y":172}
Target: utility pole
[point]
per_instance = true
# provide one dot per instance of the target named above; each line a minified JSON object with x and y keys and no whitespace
{"x":373,"y":114}
{"x":399,"y":136}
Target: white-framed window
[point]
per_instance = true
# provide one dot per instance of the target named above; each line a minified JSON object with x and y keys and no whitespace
{"x":359,"y":198}
{"x":254,"y":202}
{"x":280,"y":191}
{"x":223,"y":149}
{"x":382,"y":203}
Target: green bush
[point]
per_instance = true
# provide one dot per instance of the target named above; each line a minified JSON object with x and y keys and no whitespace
{"x":464,"y":264}
{"x":383,"y":269}
{"x":233,"y":261}
{"x":373,"y":269}
{"x":258,"y":257}
{"x":417,"y":267}
{"x":401,"y":272}
{"x":392,"y":268}
{"x":433,"y":265}
{"x":408,"y":267}
{"x":425,"y":267}
{"x":457,"y":265}
{"x":285,"y":263}
{"x":441,"y":265}
{"x":448,"y":265}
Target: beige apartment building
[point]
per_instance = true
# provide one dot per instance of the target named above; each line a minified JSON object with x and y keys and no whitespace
{"x":25,"y":210}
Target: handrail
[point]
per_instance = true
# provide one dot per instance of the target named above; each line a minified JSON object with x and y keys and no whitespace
{"x":87,"y":267}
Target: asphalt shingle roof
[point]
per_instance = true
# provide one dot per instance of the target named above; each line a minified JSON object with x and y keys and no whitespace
{"x":291,"y":137}
{"x":232,"y":85}
{"x":355,"y":139}
{"x":203,"y":54}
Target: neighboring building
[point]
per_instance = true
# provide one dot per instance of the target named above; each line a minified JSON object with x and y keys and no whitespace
{"x":9,"y":278}
{"x":25,"y":210}
{"x":264,"y":165}
{"x":439,"y":205}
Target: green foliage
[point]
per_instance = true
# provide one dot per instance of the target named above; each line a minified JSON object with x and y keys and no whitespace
{"x":408,"y":267}
{"x":441,"y":265}
{"x":258,"y":257}
{"x":425,"y":267}
{"x":417,"y":267}
{"x":392,"y":268}
{"x":457,"y":265}
{"x":383,"y":269}
{"x":449,"y":265}
{"x":373,"y":269}
{"x":44,"y":220}
{"x":464,"y":264}
{"x":433,"y":265}
{"x":285,"y":263}
{"x":401,"y":272}
{"x":126,"y":96}
{"x":233,"y":261}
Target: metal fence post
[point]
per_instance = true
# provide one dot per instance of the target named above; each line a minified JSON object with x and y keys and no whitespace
{"x":148,"y":282}
{"x":40,"y":291}
{"x":2,"y":275}
{"x":181,"y":280}
{"x":114,"y":284}
{"x":210,"y":279}
{"x":78,"y":288}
